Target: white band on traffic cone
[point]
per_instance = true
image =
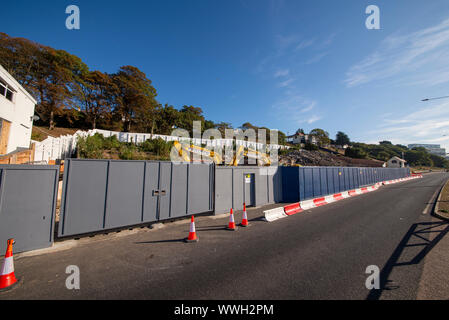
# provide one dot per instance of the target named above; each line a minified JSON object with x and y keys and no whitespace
{"x":8,"y":266}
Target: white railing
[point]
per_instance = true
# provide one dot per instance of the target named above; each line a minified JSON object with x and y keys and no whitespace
{"x":65,"y":146}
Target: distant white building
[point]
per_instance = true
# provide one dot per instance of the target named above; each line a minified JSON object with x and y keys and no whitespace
{"x":431,"y":148}
{"x":396,"y":162}
{"x":16,"y":114}
{"x":301,"y":138}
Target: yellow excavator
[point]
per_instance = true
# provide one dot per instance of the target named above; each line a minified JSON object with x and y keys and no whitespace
{"x":185,"y":150}
{"x":262,"y":158}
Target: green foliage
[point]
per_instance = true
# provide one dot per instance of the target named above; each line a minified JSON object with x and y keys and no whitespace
{"x":321,"y":136}
{"x":157,"y":146}
{"x":355,"y":152}
{"x":97,"y":146}
{"x":342,"y":139}
{"x":310,"y":147}
{"x":128,"y":152}
{"x":90,"y":147}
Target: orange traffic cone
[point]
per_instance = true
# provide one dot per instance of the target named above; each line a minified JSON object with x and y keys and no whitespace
{"x":231,"y":225}
{"x":245,"y":217}
{"x":192,"y":234}
{"x":7,"y":277}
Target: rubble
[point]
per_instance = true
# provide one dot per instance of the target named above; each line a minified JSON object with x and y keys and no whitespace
{"x":322,"y":158}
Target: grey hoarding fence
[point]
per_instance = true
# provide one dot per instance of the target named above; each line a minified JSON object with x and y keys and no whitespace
{"x":311,"y":182}
{"x":255,"y":186}
{"x":108,"y":194}
{"x":27,"y":205}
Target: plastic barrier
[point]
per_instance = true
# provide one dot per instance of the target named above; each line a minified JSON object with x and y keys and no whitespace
{"x":292,"y":209}
{"x":274,"y":214}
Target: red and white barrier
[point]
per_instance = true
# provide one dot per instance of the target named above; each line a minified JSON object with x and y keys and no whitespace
{"x":292,"y":209}
{"x":282,"y":212}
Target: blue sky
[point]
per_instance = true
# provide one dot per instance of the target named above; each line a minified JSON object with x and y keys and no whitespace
{"x":282,"y":64}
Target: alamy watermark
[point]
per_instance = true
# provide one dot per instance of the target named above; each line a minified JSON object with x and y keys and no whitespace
{"x":239,"y":144}
{"x":73,"y":280}
{"x":373,"y":280}
{"x":73,"y":21}
{"x":373,"y":20}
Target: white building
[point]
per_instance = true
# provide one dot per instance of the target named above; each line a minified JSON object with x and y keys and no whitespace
{"x":16,"y":114}
{"x":396,"y":162}
{"x":301,"y":138}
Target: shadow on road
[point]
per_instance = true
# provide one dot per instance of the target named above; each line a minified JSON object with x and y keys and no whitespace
{"x":416,"y":233}
{"x":161,"y":241}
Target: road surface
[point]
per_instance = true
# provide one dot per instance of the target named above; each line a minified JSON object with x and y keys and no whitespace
{"x":319,"y":254}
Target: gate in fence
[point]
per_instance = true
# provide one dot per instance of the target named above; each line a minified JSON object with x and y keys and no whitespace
{"x":107,"y":194}
{"x":27,"y":205}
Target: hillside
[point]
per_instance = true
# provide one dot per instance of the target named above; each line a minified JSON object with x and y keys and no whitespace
{"x":322,"y":158}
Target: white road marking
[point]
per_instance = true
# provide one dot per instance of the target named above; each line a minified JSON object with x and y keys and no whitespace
{"x":432,"y":201}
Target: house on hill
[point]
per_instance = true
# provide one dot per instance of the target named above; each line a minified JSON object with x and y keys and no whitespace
{"x":301,"y":138}
{"x":16,"y":115}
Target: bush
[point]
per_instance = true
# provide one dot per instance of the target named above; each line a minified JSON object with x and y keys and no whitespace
{"x":311,"y":147}
{"x":128,"y":152}
{"x":157,"y":146}
{"x":111,"y":143}
{"x":90,"y":147}
{"x":357,"y":153}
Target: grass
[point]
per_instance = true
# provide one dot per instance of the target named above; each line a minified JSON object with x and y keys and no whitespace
{"x":443,"y":204}
{"x":42,"y":133}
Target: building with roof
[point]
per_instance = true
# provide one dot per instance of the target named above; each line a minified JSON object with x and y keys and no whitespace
{"x":16,"y":114}
{"x":396,"y":162}
{"x":431,"y":148}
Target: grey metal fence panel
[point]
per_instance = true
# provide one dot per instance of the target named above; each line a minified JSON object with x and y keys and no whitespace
{"x":27,"y":205}
{"x":323,"y":181}
{"x":108,"y":194}
{"x":150,"y":202}
{"x":124,"y":194}
{"x":199,"y":192}
{"x":301,"y":183}
{"x":316,"y":182}
{"x":179,"y":207}
{"x":229,"y":183}
{"x":308,"y":183}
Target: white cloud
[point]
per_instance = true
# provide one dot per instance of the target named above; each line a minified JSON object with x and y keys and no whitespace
{"x":295,"y":108}
{"x":317,"y":58}
{"x":427,"y":125}
{"x":313,"y":119}
{"x":281,"y":73}
{"x":416,"y":58}
{"x":286,"y":83}
{"x":304,"y":44}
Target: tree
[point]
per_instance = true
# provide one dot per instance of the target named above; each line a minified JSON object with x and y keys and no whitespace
{"x":355,"y":152}
{"x":187,"y":115}
{"x":222,"y":126}
{"x":383,"y":155}
{"x":418,"y":157}
{"x":167,"y":117}
{"x":94,"y":92}
{"x":321,"y":136}
{"x":136,"y":98}
{"x":385,"y":142}
{"x":300,"y":131}
{"x":342,"y":139}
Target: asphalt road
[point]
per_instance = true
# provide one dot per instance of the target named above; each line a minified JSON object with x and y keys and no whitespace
{"x":319,"y":254}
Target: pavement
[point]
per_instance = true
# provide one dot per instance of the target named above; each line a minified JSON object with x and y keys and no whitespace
{"x":321,"y":253}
